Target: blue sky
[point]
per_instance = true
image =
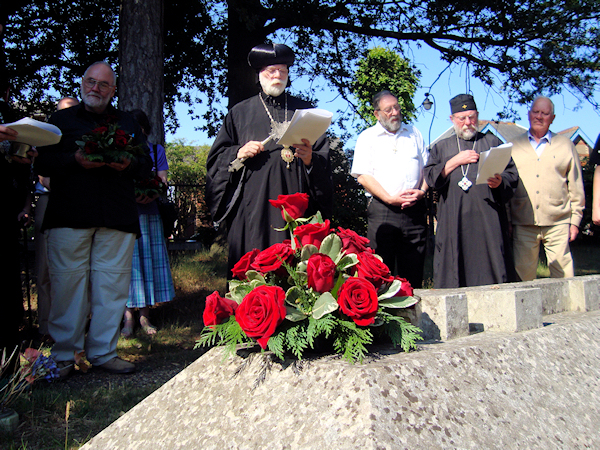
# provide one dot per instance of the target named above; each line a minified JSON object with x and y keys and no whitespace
{"x":452,"y":82}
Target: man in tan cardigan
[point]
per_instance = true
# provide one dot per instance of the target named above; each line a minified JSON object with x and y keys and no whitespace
{"x":548,"y":204}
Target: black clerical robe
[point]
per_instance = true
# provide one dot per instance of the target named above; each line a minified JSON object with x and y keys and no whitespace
{"x":472,"y":247}
{"x":250,"y":218}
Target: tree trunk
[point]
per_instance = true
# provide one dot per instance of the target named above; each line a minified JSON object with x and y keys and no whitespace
{"x":245,"y":30}
{"x":141,"y":62}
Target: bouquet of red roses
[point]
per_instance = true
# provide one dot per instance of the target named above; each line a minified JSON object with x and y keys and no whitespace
{"x":150,"y":187}
{"x":322,"y":282}
{"x":108,"y":143}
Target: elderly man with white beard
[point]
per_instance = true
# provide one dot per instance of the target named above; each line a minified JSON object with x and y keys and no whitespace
{"x":472,"y":246}
{"x":239,"y":199}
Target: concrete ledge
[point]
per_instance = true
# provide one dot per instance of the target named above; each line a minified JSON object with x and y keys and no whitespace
{"x":442,"y":315}
{"x":534,"y":389}
{"x":585,"y":293}
{"x":446,"y":314}
{"x":505,"y":308}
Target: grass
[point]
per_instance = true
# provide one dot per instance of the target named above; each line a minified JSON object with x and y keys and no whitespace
{"x":96,"y":399}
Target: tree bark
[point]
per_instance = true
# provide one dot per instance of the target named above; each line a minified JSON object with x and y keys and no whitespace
{"x":245,"y":30}
{"x":141,"y":62}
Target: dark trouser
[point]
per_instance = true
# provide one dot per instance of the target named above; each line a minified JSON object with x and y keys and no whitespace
{"x":399,"y":236}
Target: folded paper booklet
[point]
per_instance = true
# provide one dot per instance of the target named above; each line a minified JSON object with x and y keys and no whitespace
{"x":35,"y":133}
{"x":493,"y":161}
{"x":306,"y":124}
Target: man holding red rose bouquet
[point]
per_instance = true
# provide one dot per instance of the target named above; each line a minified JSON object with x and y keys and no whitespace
{"x":239,"y":199}
{"x":91,"y":224}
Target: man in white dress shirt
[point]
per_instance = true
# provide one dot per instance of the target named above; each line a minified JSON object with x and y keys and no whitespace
{"x":388,"y":162}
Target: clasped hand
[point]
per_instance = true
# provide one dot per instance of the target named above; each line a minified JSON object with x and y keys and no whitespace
{"x":83,"y":162}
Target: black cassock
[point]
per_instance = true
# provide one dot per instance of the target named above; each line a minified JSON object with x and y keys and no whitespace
{"x":252,"y":220}
{"x":472,"y":246}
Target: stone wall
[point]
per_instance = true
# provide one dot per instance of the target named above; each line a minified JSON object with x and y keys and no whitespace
{"x":530,"y":380}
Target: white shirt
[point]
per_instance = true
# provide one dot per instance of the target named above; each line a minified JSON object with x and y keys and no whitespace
{"x":539,"y":147}
{"x":395,"y":160}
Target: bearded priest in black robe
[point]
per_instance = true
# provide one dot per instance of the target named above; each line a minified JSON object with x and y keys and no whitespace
{"x":472,"y":246}
{"x":239,"y":199}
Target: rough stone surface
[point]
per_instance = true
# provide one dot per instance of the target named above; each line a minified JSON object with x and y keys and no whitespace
{"x":442,"y":314}
{"x":505,"y":309}
{"x":533,"y":389}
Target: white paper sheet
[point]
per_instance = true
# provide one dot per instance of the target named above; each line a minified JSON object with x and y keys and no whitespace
{"x":34,"y":132}
{"x":493,"y":161}
{"x":306,"y":124}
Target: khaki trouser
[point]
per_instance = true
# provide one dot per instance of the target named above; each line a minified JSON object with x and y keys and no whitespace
{"x":526,"y":244}
{"x":90,"y":272}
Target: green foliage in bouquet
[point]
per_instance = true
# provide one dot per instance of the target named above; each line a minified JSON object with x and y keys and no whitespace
{"x":322,"y":285}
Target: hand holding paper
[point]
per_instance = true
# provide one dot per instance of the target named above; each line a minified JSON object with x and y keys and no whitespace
{"x":493,"y":161}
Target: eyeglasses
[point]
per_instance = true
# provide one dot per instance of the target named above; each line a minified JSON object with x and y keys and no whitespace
{"x":271,"y":71}
{"x":103,"y":86}
{"x":388,"y":111}
{"x":463,"y":119}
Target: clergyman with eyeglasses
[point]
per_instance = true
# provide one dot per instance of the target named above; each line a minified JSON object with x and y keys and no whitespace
{"x":472,"y":244}
{"x":389,"y":158}
{"x":548,"y":204}
{"x":239,"y":199}
{"x":91,"y":224}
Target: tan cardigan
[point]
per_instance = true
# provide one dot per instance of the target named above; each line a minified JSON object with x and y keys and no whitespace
{"x":550,"y":189}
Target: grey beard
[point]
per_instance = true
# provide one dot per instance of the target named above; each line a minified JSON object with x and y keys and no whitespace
{"x":467,"y":134}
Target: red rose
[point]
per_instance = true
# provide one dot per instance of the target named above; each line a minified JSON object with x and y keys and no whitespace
{"x":372,"y":269}
{"x":406,"y":289}
{"x":292,"y":206}
{"x":120,"y":141}
{"x":120,"y":132}
{"x":261,"y":312}
{"x":243,"y":265}
{"x":352,"y":242}
{"x":321,"y":273}
{"x":217,"y":309}
{"x":312,"y":233}
{"x":100,"y":130}
{"x":90,"y":147}
{"x":270,"y":259}
{"x":358,"y":300}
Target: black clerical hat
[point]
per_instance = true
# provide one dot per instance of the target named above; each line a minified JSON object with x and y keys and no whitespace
{"x":270,"y":54}
{"x":462,"y":102}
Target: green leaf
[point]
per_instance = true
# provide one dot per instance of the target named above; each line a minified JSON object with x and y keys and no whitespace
{"x":294,"y":314}
{"x":399,"y":302}
{"x":294,"y":293}
{"x":253,"y":275}
{"x":307,"y":251}
{"x":346,"y":261}
{"x":325,"y":304}
{"x":301,"y":278}
{"x":391,"y":290}
{"x":331,"y":246}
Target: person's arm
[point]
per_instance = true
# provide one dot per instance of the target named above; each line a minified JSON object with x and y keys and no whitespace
{"x":374,"y":188}
{"x":576,"y":194}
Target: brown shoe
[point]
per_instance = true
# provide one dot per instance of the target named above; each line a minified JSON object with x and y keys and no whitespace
{"x":117,"y":365}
